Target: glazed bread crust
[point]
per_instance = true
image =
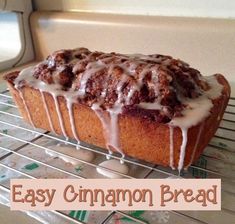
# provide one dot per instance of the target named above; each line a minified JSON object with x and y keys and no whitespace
{"x":140,"y":137}
{"x":126,"y":81}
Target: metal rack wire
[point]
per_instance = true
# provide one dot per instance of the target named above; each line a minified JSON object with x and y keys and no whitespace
{"x":150,"y":168}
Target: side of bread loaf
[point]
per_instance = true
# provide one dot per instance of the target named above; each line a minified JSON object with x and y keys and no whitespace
{"x":139,"y":137}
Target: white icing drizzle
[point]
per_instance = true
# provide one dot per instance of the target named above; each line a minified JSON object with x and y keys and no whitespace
{"x":155,"y":81}
{"x":197,"y":110}
{"x":122,"y":159}
{"x":26,"y":107}
{"x":182,"y":148}
{"x":82,"y":154}
{"x":108,"y":156}
{"x":91,"y":69}
{"x":139,"y":84}
{"x":114,"y":165}
{"x":55,"y":97}
{"x":114,"y":139}
{"x":131,"y":93}
{"x":196,"y":143}
{"x":113,"y":129}
{"x":47,"y":111}
{"x":110,"y":127}
{"x":71,"y":118}
{"x":150,"y":106}
{"x":55,"y":90}
{"x":145,"y":57}
{"x":96,"y":108}
{"x":171,"y":129}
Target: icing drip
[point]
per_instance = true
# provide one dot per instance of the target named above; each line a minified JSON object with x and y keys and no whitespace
{"x":95,"y":107}
{"x":122,"y":159}
{"x":151,"y":106}
{"x":82,"y":154}
{"x":91,"y":69}
{"x":114,"y":165}
{"x":108,"y":156}
{"x":113,"y":129}
{"x":71,"y":118}
{"x":26,"y":107}
{"x":55,"y":97}
{"x":110,"y":128}
{"x":114,"y":139}
{"x":196,"y":143}
{"x":55,"y":90}
{"x":196,"y":111}
{"x":182,"y":148}
{"x":145,"y":57}
{"x":171,"y":147}
{"x":139,"y":84}
{"x":47,"y":112}
{"x":155,"y":79}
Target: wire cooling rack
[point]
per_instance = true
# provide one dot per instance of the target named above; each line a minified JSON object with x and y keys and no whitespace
{"x":20,"y":141}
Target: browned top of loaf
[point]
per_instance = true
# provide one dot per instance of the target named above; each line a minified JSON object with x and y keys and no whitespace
{"x":109,"y":77}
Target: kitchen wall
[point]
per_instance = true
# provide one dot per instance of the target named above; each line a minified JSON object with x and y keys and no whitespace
{"x":188,"y":8}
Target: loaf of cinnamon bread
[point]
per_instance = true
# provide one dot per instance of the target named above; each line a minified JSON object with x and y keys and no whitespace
{"x":151,"y":107}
